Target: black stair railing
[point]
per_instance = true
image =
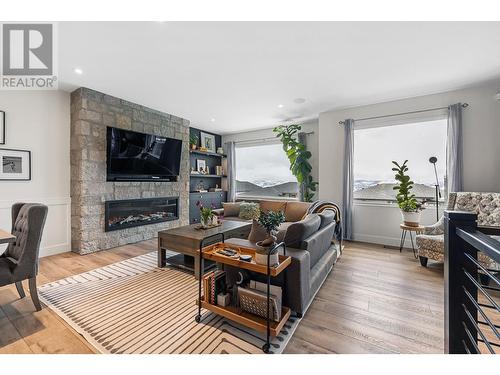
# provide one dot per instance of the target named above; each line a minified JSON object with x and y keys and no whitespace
{"x":472,"y":290}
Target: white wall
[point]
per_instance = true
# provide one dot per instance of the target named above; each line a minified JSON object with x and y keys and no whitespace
{"x":39,"y":121}
{"x":307,"y":127}
{"x":481,"y":132}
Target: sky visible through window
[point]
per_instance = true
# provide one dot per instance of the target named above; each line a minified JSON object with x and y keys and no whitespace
{"x":375,"y":148}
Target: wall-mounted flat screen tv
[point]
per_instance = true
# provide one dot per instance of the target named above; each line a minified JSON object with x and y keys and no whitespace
{"x":133,"y":156}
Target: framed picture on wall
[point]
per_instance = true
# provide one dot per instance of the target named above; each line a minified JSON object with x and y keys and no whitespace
{"x":2,"y":127}
{"x":208,"y":141}
{"x":16,"y":165}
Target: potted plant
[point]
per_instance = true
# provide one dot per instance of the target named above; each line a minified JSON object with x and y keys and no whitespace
{"x":299,"y":159}
{"x":270,"y":220}
{"x":193,"y":141}
{"x":410,"y":207}
{"x":206,"y":215}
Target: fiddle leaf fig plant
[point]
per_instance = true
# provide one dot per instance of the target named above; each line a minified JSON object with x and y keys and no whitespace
{"x":406,"y":200}
{"x":298,"y":157}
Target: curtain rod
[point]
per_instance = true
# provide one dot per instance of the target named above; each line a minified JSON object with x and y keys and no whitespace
{"x":464,"y":105}
{"x":266,"y":139}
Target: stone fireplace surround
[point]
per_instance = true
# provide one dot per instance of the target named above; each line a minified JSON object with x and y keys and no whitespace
{"x":91,"y":113}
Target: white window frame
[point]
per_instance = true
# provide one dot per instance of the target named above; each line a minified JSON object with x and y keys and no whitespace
{"x":441,"y":114}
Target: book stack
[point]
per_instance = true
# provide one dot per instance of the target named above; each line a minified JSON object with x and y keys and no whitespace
{"x":214,"y":283}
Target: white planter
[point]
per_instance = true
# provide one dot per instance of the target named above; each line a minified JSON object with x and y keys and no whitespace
{"x":261,"y":258}
{"x":412,"y":219}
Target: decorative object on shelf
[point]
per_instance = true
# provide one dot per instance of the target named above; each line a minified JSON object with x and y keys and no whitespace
{"x":218,"y":170}
{"x":215,"y":189}
{"x":2,"y":127}
{"x":201,"y":166}
{"x":223,"y":299}
{"x":206,"y":215}
{"x":203,"y":149}
{"x":270,"y":220}
{"x":220,"y":150}
{"x":194,"y":171}
{"x":200,"y":187}
{"x":207,"y":170}
{"x":16,"y":165}
{"x":299,"y":159}
{"x":193,"y":141}
{"x":208,"y":141}
{"x":409,"y":205}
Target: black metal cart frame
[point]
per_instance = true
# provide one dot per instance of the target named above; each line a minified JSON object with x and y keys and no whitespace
{"x":272,"y":251}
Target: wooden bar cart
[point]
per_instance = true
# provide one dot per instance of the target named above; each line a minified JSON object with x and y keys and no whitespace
{"x":234,"y":313}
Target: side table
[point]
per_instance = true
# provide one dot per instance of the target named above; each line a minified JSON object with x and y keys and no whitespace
{"x":406,"y":228}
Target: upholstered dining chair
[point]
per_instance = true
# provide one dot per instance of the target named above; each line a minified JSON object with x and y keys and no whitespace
{"x":20,"y":260}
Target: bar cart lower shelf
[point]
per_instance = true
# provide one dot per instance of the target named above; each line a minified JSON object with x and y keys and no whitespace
{"x":261,"y":324}
{"x":247,"y":319}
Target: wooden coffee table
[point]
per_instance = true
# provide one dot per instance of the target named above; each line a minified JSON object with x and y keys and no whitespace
{"x":186,"y":241}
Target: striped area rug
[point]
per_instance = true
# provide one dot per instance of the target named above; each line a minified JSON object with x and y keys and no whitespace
{"x":135,"y":307}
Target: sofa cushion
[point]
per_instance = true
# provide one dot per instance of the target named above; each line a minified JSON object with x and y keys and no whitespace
{"x":231,"y":208}
{"x":295,"y":211}
{"x":249,"y":211}
{"x":257,"y":232}
{"x":282,"y":230}
{"x":300,"y":230}
{"x":275,"y":206}
{"x":326,"y":217}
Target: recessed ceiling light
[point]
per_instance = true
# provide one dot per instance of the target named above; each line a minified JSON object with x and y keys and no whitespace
{"x":78,"y":71}
{"x":299,"y":100}
{"x":212,"y":119}
{"x":280,"y":105}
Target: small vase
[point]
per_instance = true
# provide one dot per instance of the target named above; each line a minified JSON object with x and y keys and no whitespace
{"x":205,"y":222}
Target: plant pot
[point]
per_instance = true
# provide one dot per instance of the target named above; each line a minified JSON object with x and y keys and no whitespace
{"x":412,"y":219}
{"x":193,"y":147}
{"x":263,"y":250}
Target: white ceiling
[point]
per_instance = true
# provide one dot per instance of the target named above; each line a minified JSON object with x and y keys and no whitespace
{"x":238,"y":73}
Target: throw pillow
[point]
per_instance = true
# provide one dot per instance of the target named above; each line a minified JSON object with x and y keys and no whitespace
{"x":249,"y":211}
{"x":257,"y":233}
{"x":231,"y":209}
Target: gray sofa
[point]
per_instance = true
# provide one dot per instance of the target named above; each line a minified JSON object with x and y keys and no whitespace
{"x":309,"y":243}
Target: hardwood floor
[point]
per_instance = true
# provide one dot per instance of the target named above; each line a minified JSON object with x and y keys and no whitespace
{"x":376,"y":300}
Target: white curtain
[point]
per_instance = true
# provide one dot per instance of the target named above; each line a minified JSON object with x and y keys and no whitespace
{"x":231,"y":171}
{"x":348,"y":179}
{"x":454,"y":150}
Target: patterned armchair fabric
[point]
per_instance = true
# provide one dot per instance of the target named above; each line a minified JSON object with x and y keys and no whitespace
{"x":430,"y":244}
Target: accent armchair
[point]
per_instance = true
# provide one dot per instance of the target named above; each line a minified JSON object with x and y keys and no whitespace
{"x":430,"y":244}
{"x":20,"y":260}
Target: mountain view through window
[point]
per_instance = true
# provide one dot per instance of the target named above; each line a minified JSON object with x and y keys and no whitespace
{"x":375,"y":148}
{"x":264,"y":171}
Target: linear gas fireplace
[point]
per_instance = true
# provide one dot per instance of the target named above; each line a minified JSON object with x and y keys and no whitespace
{"x":128,"y":213}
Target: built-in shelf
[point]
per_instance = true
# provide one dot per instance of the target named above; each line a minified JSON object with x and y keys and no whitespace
{"x":208,"y":176}
{"x":206,"y":153}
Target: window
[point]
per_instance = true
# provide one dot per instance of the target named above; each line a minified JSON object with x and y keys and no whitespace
{"x":375,"y":148}
{"x":264,"y":171}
